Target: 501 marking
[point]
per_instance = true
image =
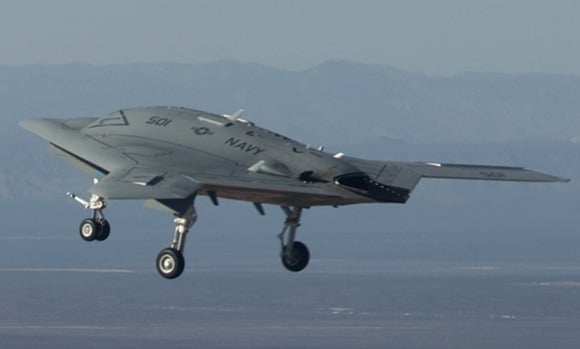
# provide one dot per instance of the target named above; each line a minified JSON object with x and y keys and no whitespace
{"x":158,"y":121}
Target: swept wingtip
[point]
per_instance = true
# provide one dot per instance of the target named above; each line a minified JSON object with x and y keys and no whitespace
{"x":33,"y":125}
{"x":560,"y":179}
{"x":25,"y":124}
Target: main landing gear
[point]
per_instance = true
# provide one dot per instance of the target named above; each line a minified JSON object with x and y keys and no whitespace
{"x":294,"y":254}
{"x":96,"y":227}
{"x":170,"y":261}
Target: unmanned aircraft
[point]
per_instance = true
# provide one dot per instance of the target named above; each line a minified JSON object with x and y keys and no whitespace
{"x":170,"y":155}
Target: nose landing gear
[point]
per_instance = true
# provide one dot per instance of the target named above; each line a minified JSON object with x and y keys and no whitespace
{"x":97,"y":227}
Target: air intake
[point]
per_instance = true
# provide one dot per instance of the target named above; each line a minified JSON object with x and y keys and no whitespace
{"x":362,"y":184}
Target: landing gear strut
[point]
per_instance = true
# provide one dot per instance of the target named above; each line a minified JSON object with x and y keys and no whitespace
{"x":97,"y":227}
{"x":170,"y":261}
{"x":294,"y":254}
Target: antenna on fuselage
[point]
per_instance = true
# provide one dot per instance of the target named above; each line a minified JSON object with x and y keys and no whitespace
{"x":235,"y":116}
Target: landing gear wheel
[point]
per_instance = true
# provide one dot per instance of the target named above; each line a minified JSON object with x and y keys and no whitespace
{"x":104,"y":230}
{"x":89,"y":229}
{"x":298,"y":259}
{"x":170,"y":263}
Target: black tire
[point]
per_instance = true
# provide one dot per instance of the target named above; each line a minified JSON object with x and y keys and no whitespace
{"x":89,"y":229}
{"x":170,"y":263}
{"x":299,"y":258}
{"x":104,"y":230}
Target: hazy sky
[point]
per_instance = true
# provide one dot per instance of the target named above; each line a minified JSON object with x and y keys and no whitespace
{"x":435,"y":37}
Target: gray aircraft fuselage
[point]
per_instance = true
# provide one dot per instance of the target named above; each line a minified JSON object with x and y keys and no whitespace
{"x":185,"y":139}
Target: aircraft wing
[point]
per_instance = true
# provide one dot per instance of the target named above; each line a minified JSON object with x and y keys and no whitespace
{"x":481,"y":172}
{"x":408,"y":174}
